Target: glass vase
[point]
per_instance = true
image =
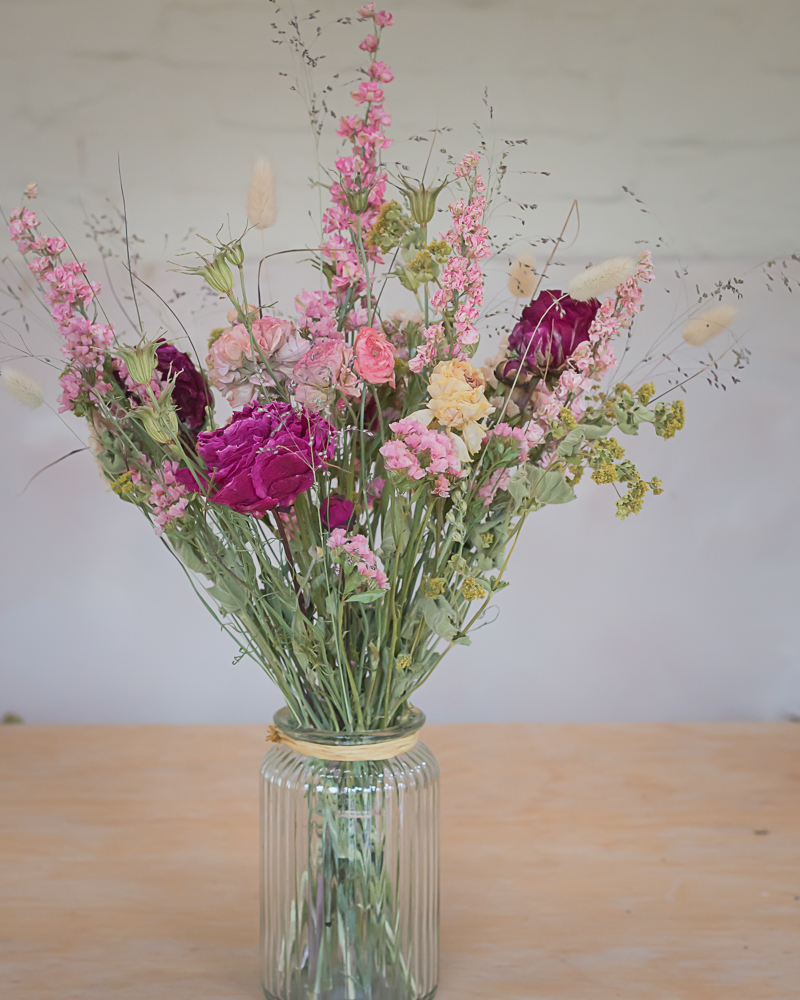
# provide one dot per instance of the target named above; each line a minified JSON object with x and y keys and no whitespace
{"x":350,"y":868}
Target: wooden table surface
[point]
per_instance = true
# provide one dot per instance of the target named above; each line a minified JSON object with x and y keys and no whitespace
{"x":580,"y":861}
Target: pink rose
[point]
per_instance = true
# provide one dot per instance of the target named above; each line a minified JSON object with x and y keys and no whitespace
{"x":289,"y":353}
{"x":236,"y":366}
{"x":374,"y":357}
{"x":324,"y":368}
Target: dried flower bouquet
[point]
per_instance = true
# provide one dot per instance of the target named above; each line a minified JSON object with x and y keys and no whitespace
{"x":353,"y":519}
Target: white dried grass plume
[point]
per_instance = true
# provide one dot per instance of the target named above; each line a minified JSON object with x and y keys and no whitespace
{"x":708,"y":324}
{"x":262,"y":209}
{"x":22,"y":387}
{"x":596,"y":282}
{"x":522,"y":276}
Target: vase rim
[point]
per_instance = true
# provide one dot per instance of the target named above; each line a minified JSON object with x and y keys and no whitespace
{"x":414,"y":721}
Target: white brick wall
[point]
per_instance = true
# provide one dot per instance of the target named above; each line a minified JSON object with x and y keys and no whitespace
{"x":691,"y":103}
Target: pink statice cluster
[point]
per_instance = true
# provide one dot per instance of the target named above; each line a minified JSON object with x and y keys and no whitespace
{"x":417,"y":452}
{"x":360,"y":173}
{"x":69,"y":294}
{"x":168,"y":497}
{"x":355,"y":549}
{"x":461,"y":281}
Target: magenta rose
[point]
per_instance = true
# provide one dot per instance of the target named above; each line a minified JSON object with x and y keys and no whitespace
{"x":551,"y":327}
{"x":264,"y":458}
{"x":191,"y":394}
{"x":336,"y":511}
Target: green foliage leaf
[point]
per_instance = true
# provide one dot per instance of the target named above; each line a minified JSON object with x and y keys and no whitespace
{"x":439,"y":616}
{"x":367,"y":597}
{"x":572,"y":442}
{"x":231,"y":596}
{"x":629,"y":417}
{"x":550,"y":487}
{"x":593,"y":431}
{"x":519,"y":486}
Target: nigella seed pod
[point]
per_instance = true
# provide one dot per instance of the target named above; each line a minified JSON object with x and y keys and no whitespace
{"x":422,"y":201}
{"x":140,"y":361}
{"x":160,"y":422}
{"x":219,"y":275}
{"x":357,"y":199}
{"x":235,"y":254}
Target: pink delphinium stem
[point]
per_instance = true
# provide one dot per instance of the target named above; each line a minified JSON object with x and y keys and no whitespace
{"x":69,"y":294}
{"x":461,"y":281}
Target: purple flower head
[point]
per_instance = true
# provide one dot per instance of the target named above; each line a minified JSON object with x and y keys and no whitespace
{"x":335,"y":512}
{"x":191,"y":395}
{"x":264,"y":458}
{"x":550,"y":329}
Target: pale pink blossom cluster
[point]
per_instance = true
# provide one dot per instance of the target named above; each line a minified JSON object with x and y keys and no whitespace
{"x":498,"y":480}
{"x":417,"y":452}
{"x":317,"y":315}
{"x":595,"y":357}
{"x":84,"y":342}
{"x":358,"y":553}
{"x":461,"y":281}
{"x":615,"y":315}
{"x":237,"y":363}
{"x":381,"y":17}
{"x":361,"y":171}
{"x":168,"y":498}
{"x":526,"y":437}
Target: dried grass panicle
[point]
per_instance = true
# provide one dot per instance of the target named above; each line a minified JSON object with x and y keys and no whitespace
{"x":262,"y":208}
{"x":22,"y":387}
{"x":596,"y":282}
{"x":522,"y":276}
{"x":708,"y":324}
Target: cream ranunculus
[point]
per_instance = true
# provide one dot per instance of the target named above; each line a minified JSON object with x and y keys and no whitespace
{"x":458,"y":401}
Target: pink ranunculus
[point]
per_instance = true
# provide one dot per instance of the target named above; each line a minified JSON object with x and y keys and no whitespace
{"x":290,"y":351}
{"x":326,"y":367}
{"x":374,"y":357}
{"x":274,"y":344}
{"x":313,"y":398}
{"x":269,"y":334}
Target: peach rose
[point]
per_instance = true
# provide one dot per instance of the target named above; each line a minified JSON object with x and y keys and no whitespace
{"x":458,"y":401}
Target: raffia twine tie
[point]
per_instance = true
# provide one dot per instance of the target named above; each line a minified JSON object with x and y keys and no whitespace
{"x":327,"y":751}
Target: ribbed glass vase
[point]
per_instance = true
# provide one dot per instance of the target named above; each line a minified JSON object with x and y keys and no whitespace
{"x":350,"y":870}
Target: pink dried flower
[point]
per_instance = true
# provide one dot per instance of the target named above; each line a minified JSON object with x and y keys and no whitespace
{"x":325,"y":368}
{"x":374,"y":357}
{"x":168,"y":497}
{"x":356,"y":552}
{"x":238,"y":364}
{"x":417,"y":452}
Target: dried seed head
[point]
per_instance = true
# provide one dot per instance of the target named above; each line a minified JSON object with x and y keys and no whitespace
{"x":596,"y":282}
{"x":708,"y":324}
{"x":522,"y":276}
{"x":23,"y":388}
{"x":262,"y":209}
